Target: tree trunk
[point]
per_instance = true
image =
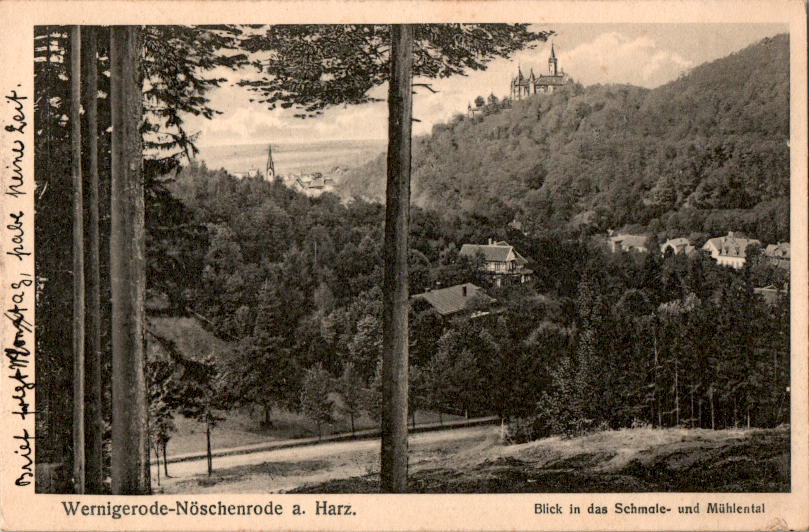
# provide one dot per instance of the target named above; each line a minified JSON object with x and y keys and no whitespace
{"x":352,"y":423}
{"x":94,"y":428}
{"x":713,"y":419}
{"x":267,"y":414}
{"x":129,"y":414}
{"x":691,"y":413}
{"x":208,"y":447}
{"x":735,"y":413}
{"x":440,"y":418}
{"x":676,"y":396}
{"x":165,"y":444}
{"x":393,"y":471}
{"x":157,"y":460}
{"x":656,"y":400}
{"x":78,"y":261}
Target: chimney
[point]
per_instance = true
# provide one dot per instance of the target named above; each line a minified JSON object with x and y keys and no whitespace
{"x":490,"y":241}
{"x":463,"y":290}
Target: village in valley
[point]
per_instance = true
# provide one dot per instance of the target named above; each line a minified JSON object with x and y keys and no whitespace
{"x":597,"y":276}
{"x":503,"y":265}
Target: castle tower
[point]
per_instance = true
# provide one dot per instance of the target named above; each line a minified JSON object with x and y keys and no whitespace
{"x":269,"y":173}
{"x":519,"y":85}
{"x":553,"y":64}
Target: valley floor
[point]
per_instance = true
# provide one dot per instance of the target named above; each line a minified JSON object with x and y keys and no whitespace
{"x":473,"y":460}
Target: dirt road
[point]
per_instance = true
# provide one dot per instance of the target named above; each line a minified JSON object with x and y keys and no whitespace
{"x":474,"y":460}
{"x":284,"y":469}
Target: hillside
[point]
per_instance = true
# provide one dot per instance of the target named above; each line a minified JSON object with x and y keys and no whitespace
{"x":701,"y":153}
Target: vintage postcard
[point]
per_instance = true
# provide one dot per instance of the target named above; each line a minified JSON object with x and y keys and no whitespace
{"x":415,"y":265}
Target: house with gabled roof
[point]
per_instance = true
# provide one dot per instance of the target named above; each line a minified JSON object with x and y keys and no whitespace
{"x":462,"y":299}
{"x":678,"y":246}
{"x":778,"y":254}
{"x":629,"y":242}
{"x":730,"y":250}
{"x":500,"y":260}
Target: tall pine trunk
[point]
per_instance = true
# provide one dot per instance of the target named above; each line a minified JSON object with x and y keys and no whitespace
{"x":691,"y":413}
{"x":208,"y":447}
{"x":130,"y":452}
{"x":735,"y":413}
{"x":78,"y":261}
{"x":676,"y":396}
{"x":157,"y":460}
{"x":656,"y":398}
{"x":267,"y":414}
{"x":164,"y":444}
{"x":393,"y":470}
{"x":94,"y":428}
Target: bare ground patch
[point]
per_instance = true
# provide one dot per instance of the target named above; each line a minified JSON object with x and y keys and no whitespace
{"x":640,"y":460}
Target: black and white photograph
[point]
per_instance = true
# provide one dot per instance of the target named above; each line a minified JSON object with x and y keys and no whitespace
{"x":408,"y":258}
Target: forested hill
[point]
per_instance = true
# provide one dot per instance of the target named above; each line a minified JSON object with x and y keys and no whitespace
{"x":707,"y":152}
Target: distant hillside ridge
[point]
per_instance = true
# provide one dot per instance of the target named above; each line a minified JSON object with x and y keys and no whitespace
{"x":708,"y":151}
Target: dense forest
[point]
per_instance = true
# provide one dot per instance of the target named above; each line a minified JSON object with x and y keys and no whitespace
{"x":291,"y":284}
{"x":707,"y":152}
{"x":596,"y":340}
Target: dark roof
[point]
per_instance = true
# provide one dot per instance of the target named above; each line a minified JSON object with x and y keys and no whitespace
{"x":450,"y":300}
{"x":495,"y":252}
{"x":491,"y":253}
{"x":551,"y":80}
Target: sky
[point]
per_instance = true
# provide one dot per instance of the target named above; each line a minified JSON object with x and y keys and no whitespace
{"x":647,"y":55}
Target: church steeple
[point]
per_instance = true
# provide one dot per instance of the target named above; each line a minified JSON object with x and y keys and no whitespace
{"x":553,"y":65}
{"x":269,"y":174}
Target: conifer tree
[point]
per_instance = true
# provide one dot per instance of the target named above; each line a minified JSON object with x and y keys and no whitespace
{"x":315,"y":401}
{"x":350,"y":387}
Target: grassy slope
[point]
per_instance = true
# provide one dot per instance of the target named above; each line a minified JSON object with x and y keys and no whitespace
{"x":244,"y":427}
{"x":638,"y":460}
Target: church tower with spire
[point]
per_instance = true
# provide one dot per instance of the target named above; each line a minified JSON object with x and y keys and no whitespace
{"x":269,"y":173}
{"x":553,"y":63}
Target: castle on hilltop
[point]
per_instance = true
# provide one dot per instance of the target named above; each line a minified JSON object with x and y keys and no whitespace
{"x":523,"y":86}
